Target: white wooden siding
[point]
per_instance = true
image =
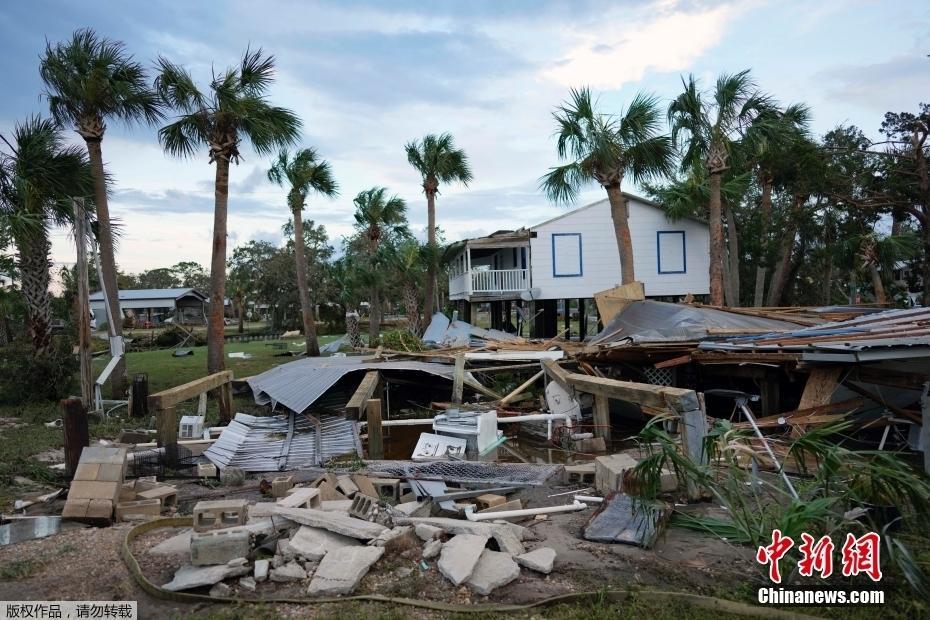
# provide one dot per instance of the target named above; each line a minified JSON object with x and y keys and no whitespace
{"x":600,"y":259}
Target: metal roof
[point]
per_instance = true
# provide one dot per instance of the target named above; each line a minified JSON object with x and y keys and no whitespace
{"x":298,"y":384}
{"x":151,"y":293}
{"x":881,"y":335}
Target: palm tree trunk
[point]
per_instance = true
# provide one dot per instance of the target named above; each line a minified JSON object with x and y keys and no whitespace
{"x":215,"y":329}
{"x":430,"y":291}
{"x":716,"y":241}
{"x":412,"y":307}
{"x":783,"y":266}
{"x":766,"y":211}
{"x":352,"y":331}
{"x":374,"y":316}
{"x":925,"y":267}
{"x":303,"y":290}
{"x":34,"y":268}
{"x":827,"y":290}
{"x":107,"y":257}
{"x":621,"y":219}
{"x":241,"y":318}
{"x":733,"y":252}
{"x":877,"y":285}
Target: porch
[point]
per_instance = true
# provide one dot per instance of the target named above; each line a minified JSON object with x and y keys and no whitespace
{"x":491,"y":268}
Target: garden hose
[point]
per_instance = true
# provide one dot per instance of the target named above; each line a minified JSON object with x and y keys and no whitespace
{"x":705,"y":602}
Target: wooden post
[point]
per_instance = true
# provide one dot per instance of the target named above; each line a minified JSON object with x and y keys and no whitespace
{"x":77,"y":435}
{"x":693,"y":432}
{"x":83,"y":303}
{"x":925,"y":427}
{"x":582,"y":320}
{"x":458,"y":379}
{"x":225,"y":401}
{"x":139,"y":404}
{"x":508,"y":311}
{"x":375,"y":439}
{"x":602,"y":417}
{"x":166,"y":433}
{"x":566,"y":304}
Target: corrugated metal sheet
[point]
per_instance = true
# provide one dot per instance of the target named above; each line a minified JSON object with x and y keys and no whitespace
{"x":283,"y":443}
{"x":298,"y":384}
{"x":150,"y":293}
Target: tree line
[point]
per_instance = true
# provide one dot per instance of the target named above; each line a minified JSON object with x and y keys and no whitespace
{"x":793,"y":218}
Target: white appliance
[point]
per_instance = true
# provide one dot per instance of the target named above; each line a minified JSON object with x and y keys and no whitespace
{"x":431,"y":447}
{"x":478,"y":428}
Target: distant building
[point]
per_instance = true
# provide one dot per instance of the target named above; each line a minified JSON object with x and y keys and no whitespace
{"x":575,"y":255}
{"x":182,"y":305}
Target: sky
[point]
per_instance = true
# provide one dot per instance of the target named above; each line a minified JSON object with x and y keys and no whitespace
{"x":367,"y":77}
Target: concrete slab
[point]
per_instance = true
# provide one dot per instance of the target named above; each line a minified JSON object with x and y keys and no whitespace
{"x":459,"y":556}
{"x":540,"y":560}
{"x":336,"y":522}
{"x":432,"y":549}
{"x":303,"y":497}
{"x":427,"y":532}
{"x":493,"y":570}
{"x":179,"y":544}
{"x":292,"y":571}
{"x":314,"y":543}
{"x":188,"y":576}
{"x":341,"y":570}
{"x":218,"y":547}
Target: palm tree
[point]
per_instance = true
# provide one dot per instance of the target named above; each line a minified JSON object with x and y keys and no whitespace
{"x":38,"y":179}
{"x":233,"y":107}
{"x":438,"y":161}
{"x":605,"y":149}
{"x":409,"y":260}
{"x":304,"y":173}
{"x":377,"y":218}
{"x":707,"y":132}
{"x":90,"y":80}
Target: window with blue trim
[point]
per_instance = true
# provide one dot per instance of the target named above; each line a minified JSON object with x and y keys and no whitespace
{"x":670,"y":251}
{"x":567,"y":255}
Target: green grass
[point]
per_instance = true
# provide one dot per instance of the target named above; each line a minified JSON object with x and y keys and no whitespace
{"x":18,"y":445}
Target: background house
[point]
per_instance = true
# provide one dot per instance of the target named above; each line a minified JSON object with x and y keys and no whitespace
{"x":572,"y":257}
{"x":186,"y":305}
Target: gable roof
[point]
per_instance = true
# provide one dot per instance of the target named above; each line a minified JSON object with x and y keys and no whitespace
{"x":645,"y":201}
{"x":151,"y":293}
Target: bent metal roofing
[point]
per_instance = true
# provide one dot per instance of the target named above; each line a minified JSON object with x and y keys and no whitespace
{"x":151,"y":293}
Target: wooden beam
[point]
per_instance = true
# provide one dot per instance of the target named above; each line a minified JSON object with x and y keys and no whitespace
{"x":458,"y":379}
{"x":510,"y":397}
{"x":820,"y":386}
{"x":375,"y":438}
{"x":891,"y":378}
{"x":76,"y":432}
{"x":877,"y":398}
{"x":173,"y":396}
{"x":357,"y":405}
{"x":675,"y":361}
{"x":558,"y":374}
{"x":602,"y":417}
{"x":658,"y":396}
{"x":693,"y":432}
{"x":166,"y":433}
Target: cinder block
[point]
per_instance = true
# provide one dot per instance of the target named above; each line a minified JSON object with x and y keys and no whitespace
{"x":488,"y":500}
{"x":84,"y":509}
{"x":75,"y":508}
{"x":608,"y":471}
{"x":387,"y":487}
{"x":328,"y":493}
{"x":166,"y":493}
{"x":513,"y":504}
{"x":213,"y":515}
{"x":100,"y":509}
{"x":145,"y":483}
{"x":580,"y":474}
{"x":127,"y":491}
{"x":219,"y":547}
{"x":302,"y":497}
{"x":362,"y":506}
{"x":86,"y":471}
{"x":281,"y":485}
{"x":345,"y":484}
{"x":147,"y":507}
{"x":206,"y":470}
{"x":365,"y":485}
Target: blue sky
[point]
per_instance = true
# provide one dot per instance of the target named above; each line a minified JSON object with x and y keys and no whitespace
{"x":368,"y":76}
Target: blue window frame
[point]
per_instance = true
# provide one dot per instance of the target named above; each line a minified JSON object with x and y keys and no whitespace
{"x":676,"y":266}
{"x":567,"y":274}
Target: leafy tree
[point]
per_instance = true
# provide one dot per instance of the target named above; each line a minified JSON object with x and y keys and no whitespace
{"x":162,"y":277}
{"x":605,"y":149}
{"x":409,"y":261}
{"x":706,"y":126}
{"x":90,"y":80}
{"x":378,"y":219}
{"x":38,"y":178}
{"x":301,"y":174}
{"x":191,"y":275}
{"x":438,"y":161}
{"x":232,"y":108}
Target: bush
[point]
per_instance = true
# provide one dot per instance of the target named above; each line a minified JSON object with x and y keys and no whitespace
{"x":23,"y":377}
{"x":174,"y":335}
{"x":401,"y":340}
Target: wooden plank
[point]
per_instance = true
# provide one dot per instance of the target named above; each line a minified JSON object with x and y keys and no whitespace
{"x":602,"y":417}
{"x":355,"y":409}
{"x":610,"y":302}
{"x":458,"y":379}
{"x":375,"y":437}
{"x":166,"y":432}
{"x":891,"y":378}
{"x":558,"y":374}
{"x":658,"y":396}
{"x":510,"y":397}
{"x":693,"y":431}
{"x":173,"y":396}
{"x":675,"y":361}
{"x":76,"y":432}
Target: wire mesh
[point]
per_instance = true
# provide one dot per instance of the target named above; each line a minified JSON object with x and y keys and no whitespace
{"x":465,"y":471}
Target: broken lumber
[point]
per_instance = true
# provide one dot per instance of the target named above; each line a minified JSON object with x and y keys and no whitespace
{"x":356,"y":407}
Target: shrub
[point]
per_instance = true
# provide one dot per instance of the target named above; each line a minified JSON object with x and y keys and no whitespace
{"x":24,"y":377}
{"x":401,"y":340}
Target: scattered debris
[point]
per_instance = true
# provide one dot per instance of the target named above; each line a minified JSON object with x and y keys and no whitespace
{"x":623,"y":519}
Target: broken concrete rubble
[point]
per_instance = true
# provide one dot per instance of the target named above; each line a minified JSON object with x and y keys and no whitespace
{"x":341,"y":570}
{"x":431,"y":549}
{"x":314,"y":543}
{"x":540,"y":560}
{"x":189,"y":576}
{"x":459,"y":556}
{"x":292,"y":571}
{"x":261,"y":569}
{"x":493,"y":570}
{"x":333,"y":521}
{"x":218,"y":547}
{"x":428,"y":532}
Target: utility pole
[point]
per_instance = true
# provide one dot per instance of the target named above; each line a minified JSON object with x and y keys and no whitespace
{"x":83,"y":303}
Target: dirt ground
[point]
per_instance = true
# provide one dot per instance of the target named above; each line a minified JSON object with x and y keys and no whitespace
{"x":85,"y":564}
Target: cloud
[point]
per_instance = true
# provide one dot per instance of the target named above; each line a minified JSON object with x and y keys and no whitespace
{"x":896,"y":84}
{"x":624,"y":46}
